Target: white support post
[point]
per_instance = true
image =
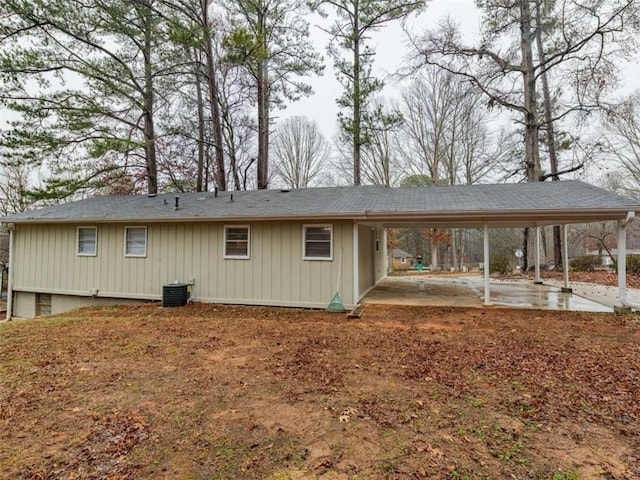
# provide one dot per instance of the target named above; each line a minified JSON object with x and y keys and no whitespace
{"x":12,"y":235}
{"x":537,"y":260}
{"x":356,"y":266}
{"x":565,"y":259}
{"x":487,"y":290}
{"x":622,"y":263}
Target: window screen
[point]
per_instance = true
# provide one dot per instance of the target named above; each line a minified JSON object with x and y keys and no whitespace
{"x":236,"y":242}
{"x":317,"y":242}
{"x":136,"y":242}
{"x":87,"y":240}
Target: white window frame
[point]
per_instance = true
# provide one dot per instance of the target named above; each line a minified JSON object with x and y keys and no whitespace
{"x":304,"y":241}
{"x":95,"y":251}
{"x":403,"y":260}
{"x":224,"y":243}
{"x":135,"y":255}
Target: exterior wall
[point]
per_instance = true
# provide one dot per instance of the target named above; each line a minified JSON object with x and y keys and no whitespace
{"x":4,"y":259}
{"x":25,"y":303}
{"x":381,"y":255}
{"x":371,"y":257}
{"x":366,"y":266}
{"x":276,"y":274}
{"x":64,"y":303}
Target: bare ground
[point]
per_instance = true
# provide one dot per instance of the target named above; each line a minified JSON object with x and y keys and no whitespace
{"x":213,"y":392}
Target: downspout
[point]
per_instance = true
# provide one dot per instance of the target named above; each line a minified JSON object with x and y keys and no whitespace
{"x":11,"y":227}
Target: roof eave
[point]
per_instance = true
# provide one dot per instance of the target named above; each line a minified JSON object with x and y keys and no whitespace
{"x":234,"y":218}
{"x":457,"y":216}
{"x":492,"y":215}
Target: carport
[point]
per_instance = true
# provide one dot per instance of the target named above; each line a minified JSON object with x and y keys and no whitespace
{"x":465,"y":290}
{"x":532,"y":205}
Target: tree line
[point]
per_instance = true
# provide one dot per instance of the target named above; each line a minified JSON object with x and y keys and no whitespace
{"x":134,"y":96}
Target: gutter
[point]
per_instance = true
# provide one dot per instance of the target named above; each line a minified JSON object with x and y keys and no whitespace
{"x":393,"y":216}
{"x":491,"y":214}
{"x":195,"y":219}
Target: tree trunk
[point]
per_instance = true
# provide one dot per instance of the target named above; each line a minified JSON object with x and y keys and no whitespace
{"x":263,"y":108}
{"x":200,"y":183}
{"x":434,"y":250}
{"x":357,"y":114}
{"x":455,"y":250}
{"x":263,"y":129}
{"x":531,"y":126}
{"x":551,"y":134}
{"x":149,"y":130}
{"x":532,"y":149}
{"x":219,"y":174}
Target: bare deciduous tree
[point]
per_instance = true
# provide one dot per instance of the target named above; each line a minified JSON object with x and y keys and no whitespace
{"x":577,"y":47}
{"x":444,"y":137}
{"x":301,"y":152}
{"x":622,"y":141}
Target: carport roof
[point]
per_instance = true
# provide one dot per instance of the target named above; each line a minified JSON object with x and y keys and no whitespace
{"x":503,"y":204}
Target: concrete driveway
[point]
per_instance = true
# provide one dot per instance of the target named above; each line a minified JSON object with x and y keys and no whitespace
{"x":468,"y":290}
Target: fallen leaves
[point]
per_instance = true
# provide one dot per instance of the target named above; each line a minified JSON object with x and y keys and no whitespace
{"x":238,"y":392}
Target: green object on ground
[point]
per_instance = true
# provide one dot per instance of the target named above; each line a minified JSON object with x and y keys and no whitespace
{"x":336,"y":306}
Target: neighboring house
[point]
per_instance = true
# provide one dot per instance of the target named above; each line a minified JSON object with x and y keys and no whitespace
{"x":266,"y":247}
{"x":401,"y":260}
{"x":607,"y":261}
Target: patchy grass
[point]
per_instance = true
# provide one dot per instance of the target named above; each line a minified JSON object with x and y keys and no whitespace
{"x":213,"y":392}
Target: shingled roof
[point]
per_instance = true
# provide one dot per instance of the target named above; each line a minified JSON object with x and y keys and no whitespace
{"x":570,"y":201}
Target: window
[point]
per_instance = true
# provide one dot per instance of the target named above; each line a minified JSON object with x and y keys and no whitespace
{"x":43,"y":304}
{"x":403,"y":260}
{"x":236,"y":241}
{"x":318,"y":242}
{"x":135,"y":241}
{"x":87,"y":241}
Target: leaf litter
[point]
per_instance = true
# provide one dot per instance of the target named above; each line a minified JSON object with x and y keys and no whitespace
{"x":210,"y":391}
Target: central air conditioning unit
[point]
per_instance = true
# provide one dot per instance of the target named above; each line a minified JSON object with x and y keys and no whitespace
{"x":175,"y":295}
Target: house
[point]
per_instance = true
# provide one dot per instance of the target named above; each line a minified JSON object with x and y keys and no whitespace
{"x":606,"y":259}
{"x":401,"y":260}
{"x":267,"y":247}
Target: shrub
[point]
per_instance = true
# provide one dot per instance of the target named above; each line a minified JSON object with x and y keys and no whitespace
{"x":586,"y":263}
{"x":633,"y":264}
{"x":500,"y":264}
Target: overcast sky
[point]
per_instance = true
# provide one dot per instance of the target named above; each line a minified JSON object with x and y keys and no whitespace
{"x":391,"y":48}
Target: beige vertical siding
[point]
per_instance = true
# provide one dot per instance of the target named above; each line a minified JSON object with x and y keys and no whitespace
{"x":371,"y":261}
{"x":366,"y":247}
{"x":276,"y":274}
{"x":381,"y":255}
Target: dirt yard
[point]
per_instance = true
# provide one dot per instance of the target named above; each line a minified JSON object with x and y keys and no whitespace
{"x":212,"y":392}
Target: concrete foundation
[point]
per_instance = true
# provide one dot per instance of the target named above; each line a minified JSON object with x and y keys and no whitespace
{"x":468,"y":291}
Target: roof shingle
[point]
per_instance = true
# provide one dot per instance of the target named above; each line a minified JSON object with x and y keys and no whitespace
{"x":339,"y":202}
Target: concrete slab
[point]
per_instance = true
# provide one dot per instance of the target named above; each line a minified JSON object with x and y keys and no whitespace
{"x":468,"y":290}
{"x":602,"y":293}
